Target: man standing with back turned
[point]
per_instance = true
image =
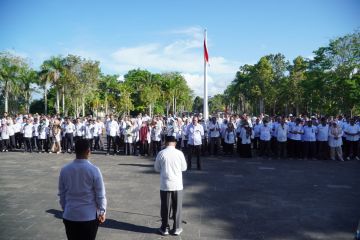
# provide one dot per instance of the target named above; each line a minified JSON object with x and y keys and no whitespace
{"x":82,"y":195}
{"x":170,"y":162}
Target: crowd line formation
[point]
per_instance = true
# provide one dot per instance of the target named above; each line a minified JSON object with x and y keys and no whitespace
{"x":301,"y":137}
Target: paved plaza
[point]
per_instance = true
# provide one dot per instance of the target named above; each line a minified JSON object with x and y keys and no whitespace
{"x":231,"y":198}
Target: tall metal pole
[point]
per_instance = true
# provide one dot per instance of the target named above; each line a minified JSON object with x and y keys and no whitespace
{"x":206,"y":111}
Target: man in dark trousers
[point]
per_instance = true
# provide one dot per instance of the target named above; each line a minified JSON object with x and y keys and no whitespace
{"x":82,"y":195}
{"x":170,"y":162}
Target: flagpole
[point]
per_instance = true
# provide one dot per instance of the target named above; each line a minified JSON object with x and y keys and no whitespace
{"x":206,"y":111}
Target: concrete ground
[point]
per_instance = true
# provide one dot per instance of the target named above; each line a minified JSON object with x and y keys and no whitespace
{"x":231,"y":198}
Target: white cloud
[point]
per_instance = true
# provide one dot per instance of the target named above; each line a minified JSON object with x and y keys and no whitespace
{"x":184,"y":54}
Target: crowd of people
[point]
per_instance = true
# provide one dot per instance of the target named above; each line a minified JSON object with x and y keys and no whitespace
{"x":300,"y":137}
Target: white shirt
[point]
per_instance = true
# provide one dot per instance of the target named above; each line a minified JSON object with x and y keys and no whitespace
{"x":265,"y":133}
{"x":43,"y":130}
{"x":322,"y":133}
{"x":281,"y":132}
{"x":296,"y":128}
{"x":69,"y":127}
{"x":36,"y":129}
{"x":353,"y":130}
{"x":244,"y":138}
{"x":195,"y":133}
{"x":257,"y":130}
{"x":214,"y":129}
{"x":89,"y":131}
{"x":229,"y":137}
{"x":81,"y":191}
{"x":79,"y":130}
{"x":309,"y":133}
{"x":28,"y":130}
{"x":17,"y":127}
{"x":11,"y":130}
{"x":170,"y":162}
{"x":5,"y":132}
{"x":112,"y":128}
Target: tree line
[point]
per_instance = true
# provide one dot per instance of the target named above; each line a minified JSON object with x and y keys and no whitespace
{"x":327,"y":83}
{"x":75,"y":86}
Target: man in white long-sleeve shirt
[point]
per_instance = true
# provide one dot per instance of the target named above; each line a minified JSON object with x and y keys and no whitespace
{"x":112,"y":129}
{"x":82,"y":195}
{"x":170,"y":162}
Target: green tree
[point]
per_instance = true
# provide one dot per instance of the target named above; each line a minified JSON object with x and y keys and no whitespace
{"x":11,"y":67}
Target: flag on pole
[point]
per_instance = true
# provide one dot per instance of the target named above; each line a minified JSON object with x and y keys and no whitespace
{"x":206,"y":55}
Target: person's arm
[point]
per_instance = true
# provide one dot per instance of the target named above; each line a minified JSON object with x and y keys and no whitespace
{"x":183,"y":163}
{"x":61,"y":192}
{"x":157,"y":165}
{"x":100,"y":194}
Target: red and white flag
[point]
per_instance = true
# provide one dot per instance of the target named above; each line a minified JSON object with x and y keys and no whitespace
{"x":206,"y":54}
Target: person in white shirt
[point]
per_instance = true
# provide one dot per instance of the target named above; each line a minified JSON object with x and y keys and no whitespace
{"x":155,"y":134}
{"x":79,"y":130}
{"x":4,"y":137}
{"x":229,"y":139}
{"x":27,"y":130}
{"x":194,"y":132}
{"x":265,"y":137}
{"x":171,"y":162}
{"x":69,"y":129}
{"x":129,"y":138}
{"x":19,"y":136}
{"x":322,"y":138}
{"x":335,"y":141}
{"x":281,"y":133}
{"x":204,"y":140}
{"x":12,"y":142}
{"x":98,"y":132}
{"x":352,"y":132}
{"x":112,"y":128}
{"x":246,"y":135}
{"x":89,"y":132}
{"x":296,"y":131}
{"x":309,"y":137}
{"x":214,"y":129}
{"x":82,"y":194}
{"x":184,"y":138}
{"x":257,"y":126}
{"x":35,"y":138}
{"x":43,"y":132}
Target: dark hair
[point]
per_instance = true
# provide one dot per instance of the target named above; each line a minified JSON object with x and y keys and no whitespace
{"x":170,"y":139}
{"x":81,"y":146}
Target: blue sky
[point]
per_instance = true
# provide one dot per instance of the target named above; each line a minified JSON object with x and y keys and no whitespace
{"x":167,"y":35}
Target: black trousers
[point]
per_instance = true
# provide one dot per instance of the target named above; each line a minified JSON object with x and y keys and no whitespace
{"x":109,"y":140}
{"x":194,"y":150}
{"x":281,"y":149}
{"x":69,"y":141}
{"x":156,"y":147}
{"x":81,"y":230}
{"x":171,"y":200}
{"x":323,"y":150}
{"x":309,"y":149}
{"x":265,"y":148}
{"x":12,"y":142}
{"x":352,"y":149}
{"x":97,"y":145}
{"x":27,"y":145}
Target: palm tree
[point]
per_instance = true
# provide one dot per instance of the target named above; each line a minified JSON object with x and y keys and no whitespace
{"x":10,"y":68}
{"x":28,"y":77}
{"x":51,"y":71}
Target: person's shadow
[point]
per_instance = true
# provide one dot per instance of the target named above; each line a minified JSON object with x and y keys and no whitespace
{"x":114,"y":224}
